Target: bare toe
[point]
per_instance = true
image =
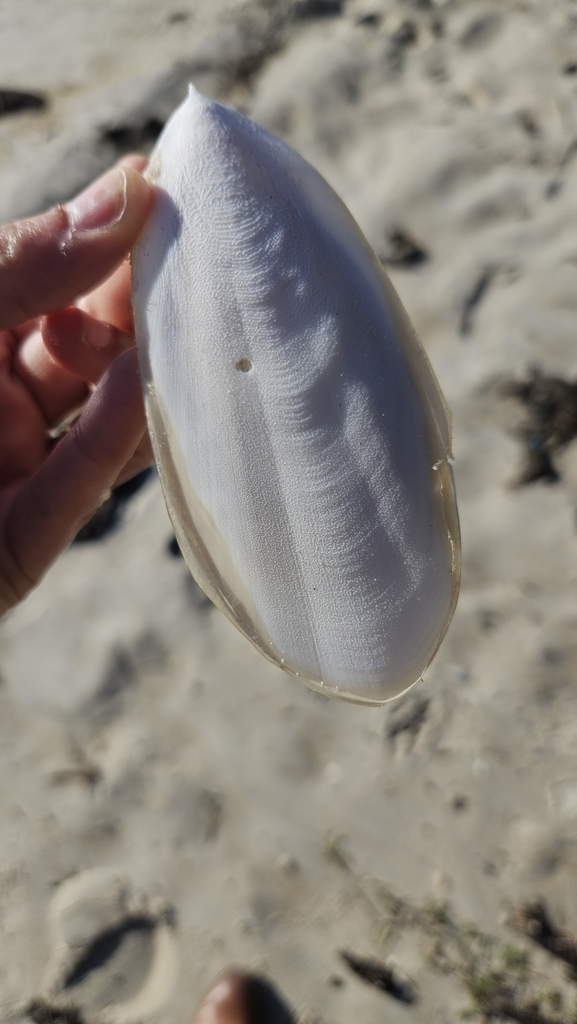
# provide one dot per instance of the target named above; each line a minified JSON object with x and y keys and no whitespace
{"x":227,"y":1002}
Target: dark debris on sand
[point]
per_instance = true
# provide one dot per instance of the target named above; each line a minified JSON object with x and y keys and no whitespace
{"x":534,"y":920}
{"x":385,"y":978}
{"x":551,"y":405}
{"x":42,"y":1012}
{"x":401,"y":250}
{"x":13,"y":101}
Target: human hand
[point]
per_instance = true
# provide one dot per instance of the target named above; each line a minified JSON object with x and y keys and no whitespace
{"x":55,"y":358}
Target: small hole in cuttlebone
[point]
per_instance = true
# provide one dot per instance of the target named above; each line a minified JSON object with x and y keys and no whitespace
{"x":244,"y":365}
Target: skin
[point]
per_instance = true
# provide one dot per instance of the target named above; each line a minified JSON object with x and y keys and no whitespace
{"x":58,"y":354}
{"x":228,"y":1001}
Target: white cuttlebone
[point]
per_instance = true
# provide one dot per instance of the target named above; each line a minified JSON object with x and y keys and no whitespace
{"x":300,"y":434}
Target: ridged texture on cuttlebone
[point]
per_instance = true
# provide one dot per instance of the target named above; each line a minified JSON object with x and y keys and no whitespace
{"x":295,"y":428}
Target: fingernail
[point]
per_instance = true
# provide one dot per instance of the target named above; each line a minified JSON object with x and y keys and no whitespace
{"x":95,"y":334}
{"x":101,"y":204}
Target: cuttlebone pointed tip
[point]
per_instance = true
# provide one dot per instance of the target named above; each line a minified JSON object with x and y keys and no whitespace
{"x":201,"y":108}
{"x":198,"y":99}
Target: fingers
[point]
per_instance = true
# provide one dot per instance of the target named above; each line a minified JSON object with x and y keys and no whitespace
{"x":136,"y":160}
{"x":55,"y":390}
{"x":63,"y":493}
{"x":143,"y":458}
{"x":22,"y":425}
{"x":47,"y":261}
{"x":82,"y":345}
{"x":67,"y":352}
{"x":112,"y":300}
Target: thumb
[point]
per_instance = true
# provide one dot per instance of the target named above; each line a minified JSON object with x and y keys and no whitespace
{"x":47,"y":261}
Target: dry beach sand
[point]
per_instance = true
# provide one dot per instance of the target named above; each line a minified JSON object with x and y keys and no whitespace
{"x":169,"y":802}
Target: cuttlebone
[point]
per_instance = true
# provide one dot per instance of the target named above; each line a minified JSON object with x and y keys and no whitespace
{"x":300,"y":434}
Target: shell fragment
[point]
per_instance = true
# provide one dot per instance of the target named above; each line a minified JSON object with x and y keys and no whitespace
{"x":301,"y":438}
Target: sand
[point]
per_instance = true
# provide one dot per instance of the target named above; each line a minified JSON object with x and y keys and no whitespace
{"x":171,"y":803}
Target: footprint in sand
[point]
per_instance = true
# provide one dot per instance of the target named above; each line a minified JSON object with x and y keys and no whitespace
{"x":113,"y":957}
